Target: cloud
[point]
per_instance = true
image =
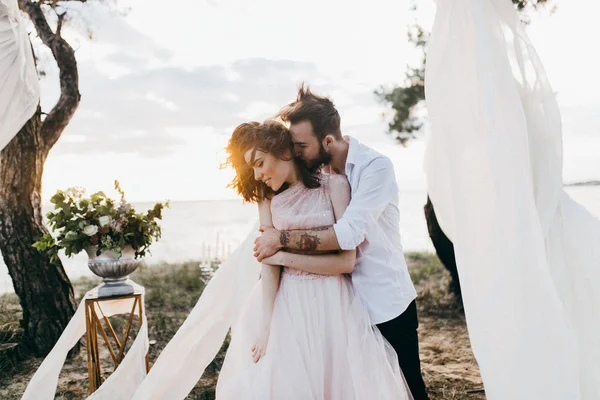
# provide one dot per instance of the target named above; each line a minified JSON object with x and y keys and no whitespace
{"x":135,"y":100}
{"x":104,"y":23}
{"x":136,"y":111}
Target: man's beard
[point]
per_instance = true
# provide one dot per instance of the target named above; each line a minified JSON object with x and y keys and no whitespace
{"x":315,"y":165}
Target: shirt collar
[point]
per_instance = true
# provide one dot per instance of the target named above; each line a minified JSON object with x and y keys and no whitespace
{"x":353,"y":147}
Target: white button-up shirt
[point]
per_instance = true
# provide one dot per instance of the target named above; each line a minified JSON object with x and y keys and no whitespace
{"x":371,"y":224}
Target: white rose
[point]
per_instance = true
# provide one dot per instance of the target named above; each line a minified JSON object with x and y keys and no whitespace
{"x":104,"y":220}
{"x":70,"y":235}
{"x":90,"y":230}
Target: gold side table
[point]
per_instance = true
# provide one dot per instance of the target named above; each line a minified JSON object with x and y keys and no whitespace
{"x":98,"y":324}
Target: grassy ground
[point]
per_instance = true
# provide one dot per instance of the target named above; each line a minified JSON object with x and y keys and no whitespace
{"x":449,"y":368}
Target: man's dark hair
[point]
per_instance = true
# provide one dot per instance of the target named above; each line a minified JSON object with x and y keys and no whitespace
{"x":320,"y":111}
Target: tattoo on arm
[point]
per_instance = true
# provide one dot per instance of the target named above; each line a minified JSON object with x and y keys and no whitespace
{"x":308,"y":242}
{"x":284,"y":238}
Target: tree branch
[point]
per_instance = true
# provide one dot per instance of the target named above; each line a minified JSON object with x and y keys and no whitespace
{"x":59,"y":24}
{"x":52,"y":3}
{"x":63,"y":53}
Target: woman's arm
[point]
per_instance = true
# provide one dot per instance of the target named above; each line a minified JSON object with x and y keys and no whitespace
{"x":328,"y":264}
{"x":270,"y":275}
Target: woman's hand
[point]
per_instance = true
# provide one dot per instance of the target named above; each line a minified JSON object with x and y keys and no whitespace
{"x":260,"y":347}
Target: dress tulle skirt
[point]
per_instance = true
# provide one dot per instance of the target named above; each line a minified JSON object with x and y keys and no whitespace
{"x":321,"y":346}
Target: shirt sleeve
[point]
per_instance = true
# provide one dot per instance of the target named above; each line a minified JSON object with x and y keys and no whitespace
{"x":376,"y":189}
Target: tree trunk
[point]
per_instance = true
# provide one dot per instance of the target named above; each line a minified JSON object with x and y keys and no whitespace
{"x":44,"y":290}
{"x":444,"y":248}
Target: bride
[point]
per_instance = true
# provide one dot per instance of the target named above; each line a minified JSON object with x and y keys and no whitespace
{"x":300,"y":335}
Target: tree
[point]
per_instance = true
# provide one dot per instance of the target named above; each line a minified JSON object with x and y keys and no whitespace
{"x":44,"y":290}
{"x":405,"y":125}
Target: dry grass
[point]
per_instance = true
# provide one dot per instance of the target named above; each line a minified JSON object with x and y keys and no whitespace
{"x":449,"y":368}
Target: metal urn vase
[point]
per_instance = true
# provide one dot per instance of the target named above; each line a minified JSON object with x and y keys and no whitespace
{"x":114,"y":268}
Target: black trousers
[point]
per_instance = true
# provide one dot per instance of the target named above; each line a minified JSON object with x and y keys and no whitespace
{"x":401,"y":333}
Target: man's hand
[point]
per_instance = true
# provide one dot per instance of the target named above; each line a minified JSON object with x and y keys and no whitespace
{"x":269,"y":243}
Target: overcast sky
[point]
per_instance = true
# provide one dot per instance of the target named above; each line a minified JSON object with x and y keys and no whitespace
{"x":163,"y":87}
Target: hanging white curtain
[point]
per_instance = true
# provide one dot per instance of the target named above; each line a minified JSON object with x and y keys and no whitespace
{"x":19,"y":86}
{"x":528,"y":256}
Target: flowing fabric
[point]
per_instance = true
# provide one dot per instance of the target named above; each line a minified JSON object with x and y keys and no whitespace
{"x":19,"y":86}
{"x":527,"y":254}
{"x":183,"y":360}
{"x":129,"y":374}
{"x":198,"y":340}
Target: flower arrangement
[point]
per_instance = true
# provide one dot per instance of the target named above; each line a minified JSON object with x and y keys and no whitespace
{"x":100,"y":223}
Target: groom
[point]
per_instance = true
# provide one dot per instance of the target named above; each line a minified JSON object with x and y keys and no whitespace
{"x":370,"y":224}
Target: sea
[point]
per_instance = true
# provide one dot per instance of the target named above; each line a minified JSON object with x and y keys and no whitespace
{"x":205,"y":230}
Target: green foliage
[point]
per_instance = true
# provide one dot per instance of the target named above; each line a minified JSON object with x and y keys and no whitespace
{"x":98,"y":221}
{"x":404,"y":99}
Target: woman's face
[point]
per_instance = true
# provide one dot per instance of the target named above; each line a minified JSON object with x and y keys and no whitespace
{"x":269,"y":169}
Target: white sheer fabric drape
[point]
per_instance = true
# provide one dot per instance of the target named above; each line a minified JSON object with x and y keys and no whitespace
{"x":19,"y":86}
{"x":121,"y":384}
{"x":194,"y":346}
{"x":528,"y":256}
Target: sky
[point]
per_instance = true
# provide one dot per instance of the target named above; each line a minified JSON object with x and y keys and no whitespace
{"x":163,"y":87}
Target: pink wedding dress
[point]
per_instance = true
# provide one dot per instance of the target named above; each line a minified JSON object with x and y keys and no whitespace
{"x":322,"y":345}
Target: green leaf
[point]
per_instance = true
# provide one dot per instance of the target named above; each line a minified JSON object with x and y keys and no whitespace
{"x":58,"y":198}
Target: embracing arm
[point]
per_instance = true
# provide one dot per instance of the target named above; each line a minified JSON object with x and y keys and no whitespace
{"x":322,"y":239}
{"x":341,"y":262}
{"x":376,"y":188}
{"x":306,"y":240}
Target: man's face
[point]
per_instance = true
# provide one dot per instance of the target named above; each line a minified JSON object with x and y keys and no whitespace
{"x":307,"y":146}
